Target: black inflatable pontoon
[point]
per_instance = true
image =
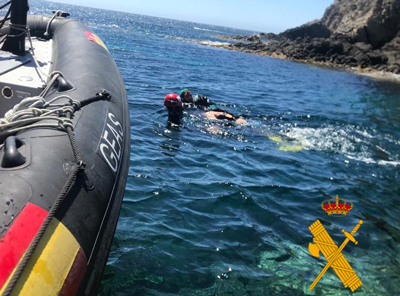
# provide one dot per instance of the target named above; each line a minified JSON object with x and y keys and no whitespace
{"x":64,"y":154}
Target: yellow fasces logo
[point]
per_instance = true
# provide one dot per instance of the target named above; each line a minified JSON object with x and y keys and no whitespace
{"x":93,"y":37}
{"x":333,"y":254}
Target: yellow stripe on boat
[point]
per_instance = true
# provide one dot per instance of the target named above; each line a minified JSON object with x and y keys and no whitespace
{"x":50,"y":263}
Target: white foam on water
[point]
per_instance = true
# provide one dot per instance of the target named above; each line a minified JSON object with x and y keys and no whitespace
{"x":393,"y":163}
{"x":200,"y":42}
{"x":349,"y":141}
{"x":323,"y":139}
{"x":212,"y":43}
{"x":207,"y":30}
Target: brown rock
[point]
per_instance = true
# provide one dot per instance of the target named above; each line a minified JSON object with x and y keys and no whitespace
{"x":313,"y":29}
{"x":370,"y":21}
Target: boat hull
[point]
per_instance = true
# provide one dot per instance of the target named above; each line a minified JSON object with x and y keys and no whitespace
{"x":84,"y":224}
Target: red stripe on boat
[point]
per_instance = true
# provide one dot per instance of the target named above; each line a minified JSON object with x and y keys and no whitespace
{"x":75,"y":275}
{"x":17,"y":239}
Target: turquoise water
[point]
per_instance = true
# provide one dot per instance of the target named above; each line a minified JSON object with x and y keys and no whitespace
{"x":227,"y":213}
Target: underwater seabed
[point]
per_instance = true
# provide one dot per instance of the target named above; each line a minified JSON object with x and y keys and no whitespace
{"x":278,"y":273}
{"x":288,"y":270}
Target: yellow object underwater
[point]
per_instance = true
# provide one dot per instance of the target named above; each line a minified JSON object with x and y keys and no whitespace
{"x":285,"y":145}
{"x":276,"y":139}
{"x":291,"y":148}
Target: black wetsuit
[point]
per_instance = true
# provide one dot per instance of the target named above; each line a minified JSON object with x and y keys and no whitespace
{"x":203,"y":103}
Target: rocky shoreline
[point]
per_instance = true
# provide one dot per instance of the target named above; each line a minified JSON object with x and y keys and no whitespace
{"x":361,"y":35}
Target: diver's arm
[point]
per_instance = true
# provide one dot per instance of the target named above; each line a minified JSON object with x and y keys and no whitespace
{"x":227,"y":115}
{"x":221,"y":115}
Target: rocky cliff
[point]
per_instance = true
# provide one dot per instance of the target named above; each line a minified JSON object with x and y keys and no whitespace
{"x":354,"y":33}
{"x":374,"y":22}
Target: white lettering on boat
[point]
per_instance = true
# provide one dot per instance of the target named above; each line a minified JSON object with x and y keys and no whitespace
{"x":111,"y":142}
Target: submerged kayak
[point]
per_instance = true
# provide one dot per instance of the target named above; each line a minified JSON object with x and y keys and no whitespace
{"x":64,"y":154}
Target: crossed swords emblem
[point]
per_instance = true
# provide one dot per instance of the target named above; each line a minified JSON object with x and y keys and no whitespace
{"x":333,"y":254}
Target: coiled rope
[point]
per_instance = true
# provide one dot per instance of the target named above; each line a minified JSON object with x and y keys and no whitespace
{"x":31,"y":110}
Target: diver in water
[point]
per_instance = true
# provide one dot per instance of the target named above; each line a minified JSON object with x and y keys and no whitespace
{"x":186,"y":96}
{"x":203,"y":103}
{"x":199,"y":101}
{"x":174,"y":105}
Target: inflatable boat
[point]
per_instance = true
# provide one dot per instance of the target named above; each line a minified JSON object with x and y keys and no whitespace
{"x":64,"y":153}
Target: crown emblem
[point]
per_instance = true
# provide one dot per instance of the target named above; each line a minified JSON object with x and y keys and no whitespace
{"x":338,"y":207}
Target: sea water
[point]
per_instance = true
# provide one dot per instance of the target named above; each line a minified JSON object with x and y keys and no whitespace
{"x":217,"y":209}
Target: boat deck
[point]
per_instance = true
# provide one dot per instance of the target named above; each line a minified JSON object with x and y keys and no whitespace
{"x":19,"y":76}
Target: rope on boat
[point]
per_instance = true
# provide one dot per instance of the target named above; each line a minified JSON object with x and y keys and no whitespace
{"x":26,"y":30}
{"x":27,"y":115}
{"x":29,"y":111}
{"x":5,"y":4}
{"x":28,"y":33}
{"x":28,"y":254}
{"x":6,"y":18}
{"x":54,"y":75}
{"x":79,"y":167}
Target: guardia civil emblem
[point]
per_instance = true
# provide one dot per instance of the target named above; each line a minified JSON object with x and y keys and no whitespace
{"x":323,"y":243}
{"x":333,"y":254}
